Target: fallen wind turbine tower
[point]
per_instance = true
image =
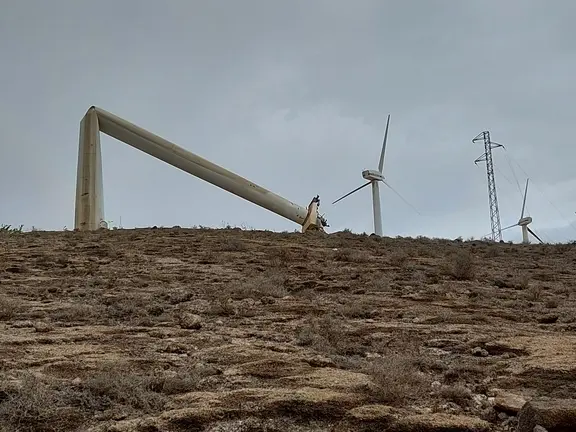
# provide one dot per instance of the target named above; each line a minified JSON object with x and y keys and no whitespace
{"x":89,"y":213}
{"x":373,"y":177}
{"x":523,"y":222}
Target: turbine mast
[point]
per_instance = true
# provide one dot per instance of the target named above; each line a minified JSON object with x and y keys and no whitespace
{"x":492,"y":198}
{"x":376,"y":208}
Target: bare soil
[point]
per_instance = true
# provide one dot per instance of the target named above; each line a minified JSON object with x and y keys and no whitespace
{"x":232,"y":330}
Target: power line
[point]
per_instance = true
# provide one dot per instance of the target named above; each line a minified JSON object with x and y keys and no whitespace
{"x":513,"y":173}
{"x":402,"y":198}
{"x":500,"y":172}
{"x":570,"y":224}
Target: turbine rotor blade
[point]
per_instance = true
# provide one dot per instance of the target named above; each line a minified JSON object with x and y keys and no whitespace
{"x":534,"y":234}
{"x":487,"y":236}
{"x":524,"y":200}
{"x":350,"y":193}
{"x":401,"y":197}
{"x":503,"y":229}
{"x":508,"y":227}
{"x":381,"y":163}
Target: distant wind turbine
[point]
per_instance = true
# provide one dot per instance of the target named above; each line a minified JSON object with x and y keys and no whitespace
{"x":374,"y":177}
{"x":523,"y":222}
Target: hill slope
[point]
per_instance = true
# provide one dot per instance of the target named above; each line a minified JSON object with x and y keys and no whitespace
{"x":229,"y":330}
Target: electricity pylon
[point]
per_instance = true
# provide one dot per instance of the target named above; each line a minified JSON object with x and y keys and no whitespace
{"x":492,"y":198}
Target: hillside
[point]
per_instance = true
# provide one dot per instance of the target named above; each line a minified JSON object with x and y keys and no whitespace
{"x":230,"y":330}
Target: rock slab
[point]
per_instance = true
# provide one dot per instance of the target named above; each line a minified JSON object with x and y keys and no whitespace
{"x":555,"y":415}
{"x":508,"y":403}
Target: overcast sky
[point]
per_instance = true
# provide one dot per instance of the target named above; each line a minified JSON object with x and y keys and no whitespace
{"x":294,"y":95}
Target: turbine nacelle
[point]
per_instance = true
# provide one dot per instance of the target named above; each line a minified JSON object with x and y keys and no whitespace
{"x":372,"y":175}
{"x":525,"y":221}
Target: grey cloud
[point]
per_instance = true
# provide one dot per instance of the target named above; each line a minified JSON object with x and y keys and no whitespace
{"x":294,"y":96}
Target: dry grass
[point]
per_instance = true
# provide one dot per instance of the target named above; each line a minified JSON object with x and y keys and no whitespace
{"x":34,"y":404}
{"x":357,"y":309}
{"x":328,"y":334}
{"x":458,"y":394}
{"x":351,"y":256}
{"x":140,"y":392}
{"x":534,"y":293}
{"x":398,"y":258}
{"x":552,"y":303}
{"x":523,"y":282}
{"x":100,"y":327}
{"x":461,"y":266}
{"x":465,"y":373}
{"x":8,"y":309}
{"x":397,"y":380}
{"x":233,"y":245}
{"x":43,"y":406}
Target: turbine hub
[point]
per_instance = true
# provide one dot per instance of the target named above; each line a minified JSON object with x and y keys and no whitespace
{"x":372,"y":175}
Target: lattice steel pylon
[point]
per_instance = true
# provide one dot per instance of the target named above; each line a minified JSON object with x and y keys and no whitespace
{"x":492,"y":198}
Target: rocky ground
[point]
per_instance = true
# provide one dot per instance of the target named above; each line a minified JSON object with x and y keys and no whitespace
{"x":230,"y":330}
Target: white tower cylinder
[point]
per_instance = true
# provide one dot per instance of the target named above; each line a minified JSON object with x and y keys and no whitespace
{"x":377,"y":211}
{"x":89,"y":183}
{"x":525,"y":238}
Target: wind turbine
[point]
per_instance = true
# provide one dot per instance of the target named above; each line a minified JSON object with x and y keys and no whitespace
{"x":374,"y":177}
{"x":523,"y":222}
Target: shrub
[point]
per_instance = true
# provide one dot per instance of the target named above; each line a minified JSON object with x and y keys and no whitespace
{"x":328,"y":334}
{"x":458,"y":394}
{"x":34,"y":406}
{"x":398,"y":259}
{"x":534,"y":293}
{"x":462,"y":266}
{"x":8,"y":309}
{"x":396,"y":379}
